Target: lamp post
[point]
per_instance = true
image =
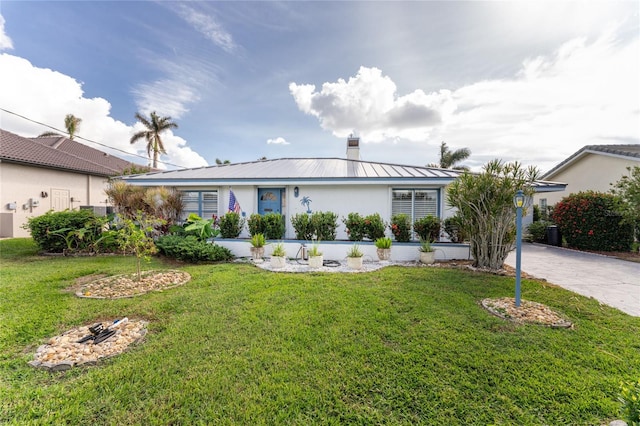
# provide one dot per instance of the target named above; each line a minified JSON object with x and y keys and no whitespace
{"x":518,"y":202}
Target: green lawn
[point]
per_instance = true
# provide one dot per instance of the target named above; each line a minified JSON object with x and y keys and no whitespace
{"x":239,"y":345}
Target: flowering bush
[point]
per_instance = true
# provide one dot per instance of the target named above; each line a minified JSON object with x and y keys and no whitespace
{"x":401,"y":227}
{"x":355,"y":226}
{"x":427,"y":228}
{"x":374,"y":227}
{"x":590,"y":221}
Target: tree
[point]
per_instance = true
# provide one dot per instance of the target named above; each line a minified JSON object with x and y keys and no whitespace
{"x":155,"y":125}
{"x":628,"y":189}
{"x":448,"y":158}
{"x":219,"y":162}
{"x":136,"y":237}
{"x":485,"y":206}
{"x":71,"y":123}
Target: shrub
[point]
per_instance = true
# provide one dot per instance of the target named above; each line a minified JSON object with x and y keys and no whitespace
{"x":302,"y":226}
{"x":538,"y":230}
{"x":427,"y":228}
{"x":57,"y":232}
{"x":453,"y":228}
{"x":630,"y":402}
{"x":202,"y":229}
{"x":190,"y":249}
{"x":401,"y":227}
{"x":355,"y":226}
{"x":231,"y":225}
{"x":273,"y":226}
{"x":485,"y":203}
{"x":383,"y":243}
{"x":319,"y":225}
{"x":590,"y":221}
{"x":128,"y":200}
{"x":354,"y":251}
{"x":324,"y":225}
{"x":255,"y":224}
{"x":278,"y":250}
{"x":258,"y":240}
{"x":374,"y":227}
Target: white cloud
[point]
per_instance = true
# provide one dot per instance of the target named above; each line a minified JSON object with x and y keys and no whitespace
{"x":5,"y":40}
{"x":584,"y":93}
{"x":167,"y":97}
{"x":278,"y":141}
{"x":369,"y":103}
{"x":47,"y":96}
{"x":207,"y":26}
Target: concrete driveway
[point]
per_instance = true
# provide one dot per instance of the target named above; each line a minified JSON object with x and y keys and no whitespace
{"x":611,"y":281}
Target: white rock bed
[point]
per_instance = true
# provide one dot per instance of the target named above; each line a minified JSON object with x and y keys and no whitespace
{"x":302,"y":266}
{"x":63,"y":352}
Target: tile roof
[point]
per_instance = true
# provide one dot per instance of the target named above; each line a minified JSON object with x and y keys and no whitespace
{"x":58,"y":153}
{"x":631,"y":151}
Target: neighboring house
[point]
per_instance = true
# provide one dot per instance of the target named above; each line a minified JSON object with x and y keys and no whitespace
{"x":292,"y":186}
{"x":594,"y":167}
{"x":50,"y":173}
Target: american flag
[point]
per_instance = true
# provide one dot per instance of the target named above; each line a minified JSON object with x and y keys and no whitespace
{"x":234,"y":205}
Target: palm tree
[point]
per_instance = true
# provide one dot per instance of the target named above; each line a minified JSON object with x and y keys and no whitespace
{"x":155,"y":125}
{"x":448,"y":158}
{"x":71,"y":123}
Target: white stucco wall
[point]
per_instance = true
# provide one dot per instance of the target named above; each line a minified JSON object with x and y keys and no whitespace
{"x":341,"y":199}
{"x":25,"y":184}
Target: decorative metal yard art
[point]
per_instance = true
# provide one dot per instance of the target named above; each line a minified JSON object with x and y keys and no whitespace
{"x":305,"y":201}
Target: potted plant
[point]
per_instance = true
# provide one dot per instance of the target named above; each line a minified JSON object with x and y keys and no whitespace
{"x":315,"y":256}
{"x":383,"y":248}
{"x":258,"y":241}
{"x":278,"y":259}
{"x":354,"y":257}
{"x":427,"y":253}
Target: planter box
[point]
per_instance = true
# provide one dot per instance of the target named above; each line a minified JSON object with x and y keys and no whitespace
{"x":316,"y":261}
{"x":278,"y":261}
{"x":427,"y":257}
{"x":383,"y":254}
{"x":354,"y":262}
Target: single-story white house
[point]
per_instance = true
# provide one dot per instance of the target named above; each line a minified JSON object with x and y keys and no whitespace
{"x":290,"y":186}
{"x":593,"y":167}
{"x":50,"y":173}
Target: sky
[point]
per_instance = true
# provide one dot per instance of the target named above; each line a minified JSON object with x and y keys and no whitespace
{"x":522,"y":81}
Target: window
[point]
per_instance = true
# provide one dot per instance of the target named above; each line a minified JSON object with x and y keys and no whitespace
{"x":204,"y":204}
{"x":415,"y":203}
{"x":543,"y":204}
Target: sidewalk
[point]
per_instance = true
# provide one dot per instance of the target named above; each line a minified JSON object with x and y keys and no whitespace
{"x":611,"y":281}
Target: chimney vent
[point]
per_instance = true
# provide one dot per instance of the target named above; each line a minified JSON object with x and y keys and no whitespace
{"x":353,"y":148}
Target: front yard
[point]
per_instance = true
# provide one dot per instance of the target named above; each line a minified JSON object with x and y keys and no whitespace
{"x":239,"y":345}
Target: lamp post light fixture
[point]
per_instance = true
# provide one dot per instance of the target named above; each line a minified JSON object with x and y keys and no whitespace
{"x":518,"y":202}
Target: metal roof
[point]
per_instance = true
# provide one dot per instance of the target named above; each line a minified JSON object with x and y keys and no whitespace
{"x":301,"y":168}
{"x":630,"y":151}
{"x":309,"y":170}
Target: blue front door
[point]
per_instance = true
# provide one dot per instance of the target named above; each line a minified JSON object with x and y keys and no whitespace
{"x":269,"y":200}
